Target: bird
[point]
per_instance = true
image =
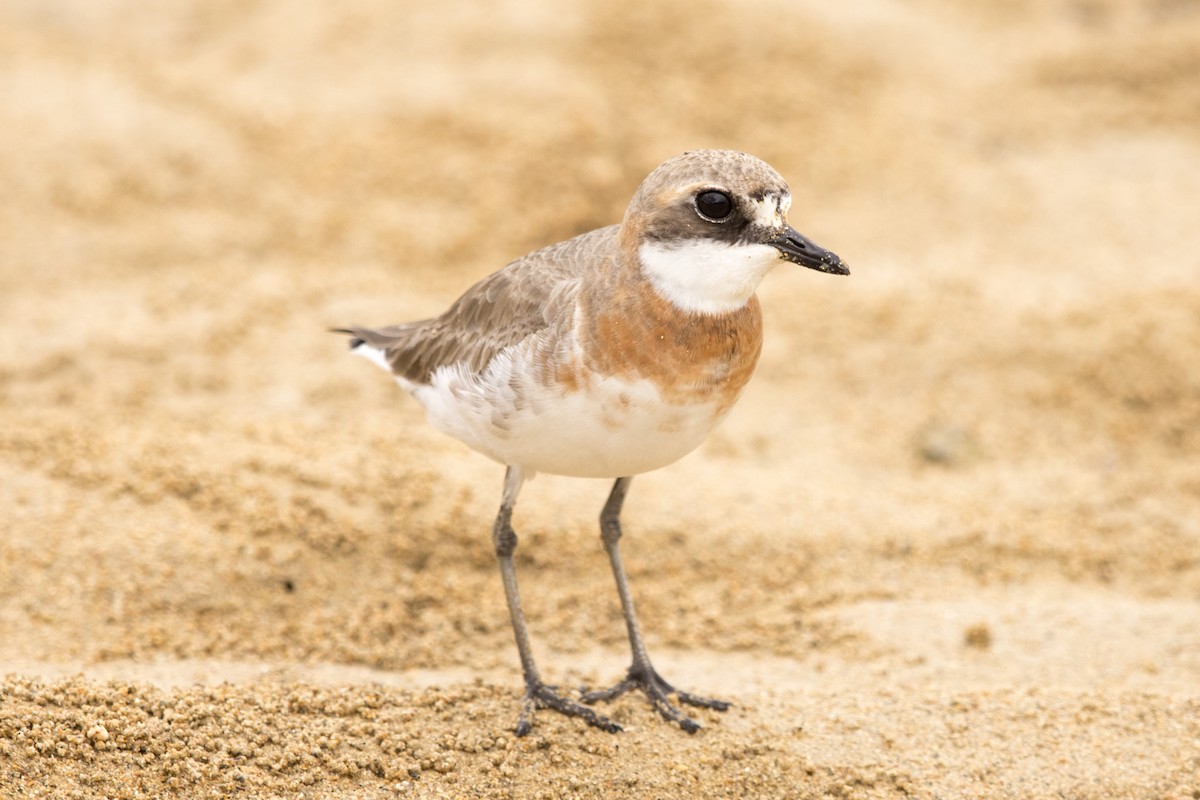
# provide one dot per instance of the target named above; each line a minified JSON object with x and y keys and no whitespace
{"x":607,"y":355}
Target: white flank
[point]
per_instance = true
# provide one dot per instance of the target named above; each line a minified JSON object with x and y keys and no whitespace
{"x":705,"y":276}
{"x":611,"y":428}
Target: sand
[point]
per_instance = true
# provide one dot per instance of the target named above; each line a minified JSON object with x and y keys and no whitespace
{"x":947,"y":545}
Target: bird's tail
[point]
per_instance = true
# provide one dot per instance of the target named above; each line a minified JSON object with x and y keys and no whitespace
{"x":352,"y":332}
{"x":380,"y":346}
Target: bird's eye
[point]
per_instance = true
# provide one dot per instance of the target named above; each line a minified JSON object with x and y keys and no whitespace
{"x":713,"y":205}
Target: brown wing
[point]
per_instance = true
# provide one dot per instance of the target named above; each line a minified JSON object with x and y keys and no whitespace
{"x":526,"y":296}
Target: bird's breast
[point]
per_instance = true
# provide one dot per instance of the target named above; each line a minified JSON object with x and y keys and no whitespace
{"x":634,"y":334}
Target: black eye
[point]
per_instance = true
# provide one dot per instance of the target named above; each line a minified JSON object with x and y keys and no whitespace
{"x":714,"y":205}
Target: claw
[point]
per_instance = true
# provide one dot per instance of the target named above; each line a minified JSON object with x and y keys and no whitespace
{"x":702,"y":702}
{"x":539,"y":695}
{"x":657,"y":690}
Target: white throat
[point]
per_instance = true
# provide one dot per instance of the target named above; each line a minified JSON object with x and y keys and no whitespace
{"x":705,"y":276}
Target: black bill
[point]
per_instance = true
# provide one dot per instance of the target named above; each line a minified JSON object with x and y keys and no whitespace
{"x":799,"y":249}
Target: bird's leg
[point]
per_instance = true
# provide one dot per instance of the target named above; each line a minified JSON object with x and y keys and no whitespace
{"x":537,"y":694}
{"x":641,"y":674}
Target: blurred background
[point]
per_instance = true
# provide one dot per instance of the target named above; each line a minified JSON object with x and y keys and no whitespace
{"x":995,"y":421}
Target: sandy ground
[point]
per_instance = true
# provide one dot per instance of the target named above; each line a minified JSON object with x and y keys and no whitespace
{"x":948,"y":545}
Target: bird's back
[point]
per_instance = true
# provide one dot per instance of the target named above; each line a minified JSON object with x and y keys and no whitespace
{"x":526,"y":296}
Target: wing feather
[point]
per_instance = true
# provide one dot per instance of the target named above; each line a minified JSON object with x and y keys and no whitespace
{"x":521,"y":299}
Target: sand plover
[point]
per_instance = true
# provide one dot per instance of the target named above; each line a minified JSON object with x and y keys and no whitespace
{"x":605,"y":356}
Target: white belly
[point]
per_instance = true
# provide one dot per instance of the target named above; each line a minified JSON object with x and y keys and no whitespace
{"x":613,"y":428}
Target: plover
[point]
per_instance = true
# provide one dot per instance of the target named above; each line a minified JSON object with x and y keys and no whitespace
{"x":605,"y":356}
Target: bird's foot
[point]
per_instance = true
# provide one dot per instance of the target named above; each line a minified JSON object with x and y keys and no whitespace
{"x":539,"y":695}
{"x":657,"y":690}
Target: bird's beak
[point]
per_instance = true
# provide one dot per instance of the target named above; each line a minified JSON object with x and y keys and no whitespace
{"x":799,"y":249}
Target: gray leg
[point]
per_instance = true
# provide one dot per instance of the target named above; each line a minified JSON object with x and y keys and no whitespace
{"x":537,"y":694}
{"x":641,"y":674}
